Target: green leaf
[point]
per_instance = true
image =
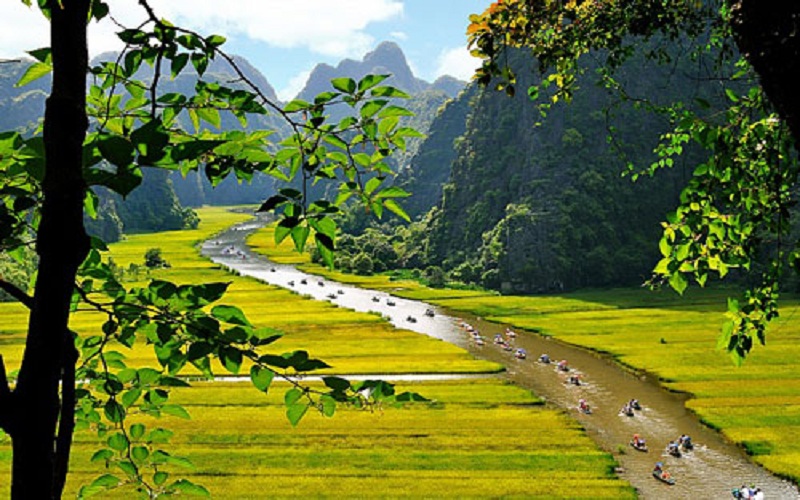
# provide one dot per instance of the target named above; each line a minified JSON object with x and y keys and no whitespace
{"x":114,"y":411}
{"x":34,"y":72}
{"x":230,"y":314}
{"x":261,"y":377}
{"x":178,"y":63}
{"x":292,"y":396}
{"x":370,"y":81}
{"x":189,"y":488}
{"x":372,"y":185}
{"x":393,"y":192}
{"x":336,"y":383}
{"x":117,"y":441}
{"x":103,"y":455}
{"x":140,"y":453}
{"x":296,"y":105}
{"x":116,"y":150}
{"x":328,"y":405}
{"x":160,"y":478}
{"x":210,"y":115}
{"x":678,"y":282}
{"x":346,"y":85}
{"x":394,"y":111}
{"x":300,"y":236}
{"x":231,"y":358}
{"x":215,"y":40}
{"x":295,"y":413}
{"x":396,"y":209}
{"x":45,"y":54}
{"x":369,"y":109}
{"x":176,"y":411}
{"x":389,"y":92}
{"x":105,"y":481}
{"x":137,"y":431}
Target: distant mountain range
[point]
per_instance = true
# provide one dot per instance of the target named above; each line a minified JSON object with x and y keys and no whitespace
{"x":387,"y":59}
{"x":162,"y":198}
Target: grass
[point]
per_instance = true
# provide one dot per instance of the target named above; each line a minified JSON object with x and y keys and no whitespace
{"x":756,"y":405}
{"x":481,"y":438}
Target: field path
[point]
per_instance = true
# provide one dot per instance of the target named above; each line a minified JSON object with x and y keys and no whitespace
{"x":708,"y":472}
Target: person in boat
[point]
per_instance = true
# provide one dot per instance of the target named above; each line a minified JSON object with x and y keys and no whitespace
{"x":686,"y":442}
{"x":544,"y":358}
{"x":498,"y":339}
{"x":574,"y":379}
{"x":672,"y":449}
{"x":638,"y":441}
{"x":634,"y":403}
{"x":521,"y":353}
{"x":660,"y":472}
{"x":511,"y":333}
{"x":562,"y":365}
{"x":584,"y":406}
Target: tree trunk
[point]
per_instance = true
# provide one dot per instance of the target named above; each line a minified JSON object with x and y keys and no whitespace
{"x":768,"y":35}
{"x":62,"y":246}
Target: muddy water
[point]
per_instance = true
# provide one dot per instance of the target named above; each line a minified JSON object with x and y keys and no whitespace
{"x":710,"y":471}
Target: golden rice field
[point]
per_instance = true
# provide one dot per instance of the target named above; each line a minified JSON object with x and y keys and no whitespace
{"x":479,"y":438}
{"x":756,"y":405}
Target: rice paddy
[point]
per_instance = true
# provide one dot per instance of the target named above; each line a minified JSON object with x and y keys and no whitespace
{"x":479,"y":438}
{"x":755,"y":405}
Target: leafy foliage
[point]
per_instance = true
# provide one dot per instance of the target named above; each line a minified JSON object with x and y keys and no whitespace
{"x":735,"y":210}
{"x":136,"y":126}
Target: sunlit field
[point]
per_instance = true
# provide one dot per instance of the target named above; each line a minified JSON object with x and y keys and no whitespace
{"x":756,"y":405}
{"x":478,"y":438}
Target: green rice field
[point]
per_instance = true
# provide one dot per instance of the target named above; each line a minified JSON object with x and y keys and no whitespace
{"x":478,"y":438}
{"x":756,"y":405}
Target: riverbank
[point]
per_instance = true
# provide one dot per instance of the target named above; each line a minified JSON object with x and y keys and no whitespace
{"x":756,"y":406}
{"x":481,"y":437}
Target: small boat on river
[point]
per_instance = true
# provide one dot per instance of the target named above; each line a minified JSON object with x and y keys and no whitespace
{"x":664,"y":477}
{"x":429,"y":313}
{"x":375,"y":298}
{"x":390,"y":302}
{"x":639,"y":445}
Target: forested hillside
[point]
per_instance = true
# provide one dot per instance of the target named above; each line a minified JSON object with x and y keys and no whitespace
{"x":518,"y":206}
{"x":153,"y":207}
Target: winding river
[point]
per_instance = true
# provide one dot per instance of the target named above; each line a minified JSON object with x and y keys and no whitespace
{"x":710,"y":471}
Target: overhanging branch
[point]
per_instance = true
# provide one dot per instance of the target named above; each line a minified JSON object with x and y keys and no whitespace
{"x":17,"y":293}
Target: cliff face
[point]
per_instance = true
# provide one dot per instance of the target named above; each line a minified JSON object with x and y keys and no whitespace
{"x":533,"y":204}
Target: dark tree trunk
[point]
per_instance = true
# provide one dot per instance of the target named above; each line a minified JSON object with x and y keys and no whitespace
{"x":768,"y":35}
{"x":62,"y":245}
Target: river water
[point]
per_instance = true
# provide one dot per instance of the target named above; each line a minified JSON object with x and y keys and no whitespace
{"x":710,"y":471}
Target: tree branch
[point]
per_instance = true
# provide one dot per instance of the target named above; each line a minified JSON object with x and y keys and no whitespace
{"x":66,"y":422}
{"x":5,"y":399}
{"x":17,"y":293}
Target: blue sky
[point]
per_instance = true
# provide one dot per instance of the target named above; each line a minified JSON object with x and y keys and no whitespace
{"x":286,"y":39}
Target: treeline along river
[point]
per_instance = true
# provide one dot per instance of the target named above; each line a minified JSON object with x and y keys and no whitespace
{"x":711,"y":470}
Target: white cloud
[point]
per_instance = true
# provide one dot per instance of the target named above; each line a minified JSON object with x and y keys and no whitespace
{"x":456,"y":62}
{"x":332,"y":29}
{"x":295,"y":85}
{"x":22,"y":29}
{"x":399,"y":35}
{"x":321,"y":26}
